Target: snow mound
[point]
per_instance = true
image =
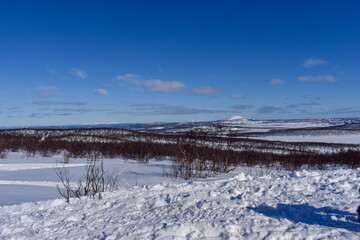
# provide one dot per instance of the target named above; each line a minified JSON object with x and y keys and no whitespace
{"x":255,"y":204}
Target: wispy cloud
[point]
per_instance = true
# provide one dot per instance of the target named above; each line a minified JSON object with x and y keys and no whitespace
{"x":3,"y":93}
{"x":237,"y":96}
{"x":312,"y":97}
{"x":155,"y":85}
{"x":77,"y":103}
{"x":277,"y":82}
{"x":52,"y":71}
{"x":67,"y":111}
{"x":15,"y":109}
{"x":292,"y":106}
{"x":205,"y":91}
{"x":242,"y":107}
{"x":39,"y":115}
{"x":308,"y":104}
{"x":130,"y":77}
{"x":268,"y":109}
{"x":328,"y":78}
{"x":47,"y":91}
{"x":83,"y":109}
{"x":101,"y":92}
{"x":311,"y":62}
{"x":79,"y":73}
{"x":342,"y":111}
{"x":165,"y":109}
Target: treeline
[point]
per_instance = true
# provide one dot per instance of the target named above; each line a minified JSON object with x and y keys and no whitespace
{"x":194,"y":155}
{"x":214,"y":136}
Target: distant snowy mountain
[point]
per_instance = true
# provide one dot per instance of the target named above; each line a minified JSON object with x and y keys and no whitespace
{"x":238,"y":119}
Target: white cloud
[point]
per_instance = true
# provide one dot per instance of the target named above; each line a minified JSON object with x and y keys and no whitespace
{"x":328,"y":78}
{"x":79,"y":73}
{"x":157,"y":85}
{"x":47,"y":91}
{"x":314,"y":62}
{"x":277,"y":82}
{"x":101,"y":92}
{"x":238,"y":96}
{"x":205,"y":91}
{"x":129,"y":77}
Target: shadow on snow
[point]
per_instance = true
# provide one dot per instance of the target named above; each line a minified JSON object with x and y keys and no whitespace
{"x":305,"y":213}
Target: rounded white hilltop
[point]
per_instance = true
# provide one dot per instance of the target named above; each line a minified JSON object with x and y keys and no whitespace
{"x":238,"y":118}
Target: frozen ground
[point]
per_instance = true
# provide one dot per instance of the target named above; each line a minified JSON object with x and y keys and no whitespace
{"x":253,"y":204}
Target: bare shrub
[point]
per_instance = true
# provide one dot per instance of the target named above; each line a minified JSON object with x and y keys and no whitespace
{"x":3,"y":154}
{"x":112,"y":181}
{"x":96,"y":180}
{"x":96,"y":177}
{"x":66,"y":157}
{"x":63,"y":174}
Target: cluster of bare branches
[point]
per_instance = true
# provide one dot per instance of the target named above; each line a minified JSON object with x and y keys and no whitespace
{"x":96,"y":180}
{"x":193,"y":159}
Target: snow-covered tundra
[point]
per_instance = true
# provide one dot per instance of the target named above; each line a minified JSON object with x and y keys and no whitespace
{"x":250,"y":203}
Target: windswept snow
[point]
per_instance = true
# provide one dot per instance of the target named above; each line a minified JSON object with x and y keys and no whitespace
{"x":255,"y":204}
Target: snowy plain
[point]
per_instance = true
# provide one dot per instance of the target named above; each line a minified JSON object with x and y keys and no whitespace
{"x":20,"y":175}
{"x":249,"y":203}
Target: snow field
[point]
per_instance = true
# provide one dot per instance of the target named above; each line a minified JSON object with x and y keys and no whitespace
{"x":28,"y":179}
{"x":254,"y":204}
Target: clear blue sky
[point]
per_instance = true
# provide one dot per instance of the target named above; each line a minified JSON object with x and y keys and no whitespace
{"x":71,"y":62}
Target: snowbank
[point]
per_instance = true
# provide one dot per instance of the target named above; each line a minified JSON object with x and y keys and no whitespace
{"x":256,"y":204}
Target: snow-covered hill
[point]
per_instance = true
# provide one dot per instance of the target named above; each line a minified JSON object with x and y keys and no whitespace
{"x":241,"y":121}
{"x":238,"y":119}
{"x":255,"y":204}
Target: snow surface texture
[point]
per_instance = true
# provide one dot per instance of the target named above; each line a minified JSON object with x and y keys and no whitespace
{"x":255,"y":204}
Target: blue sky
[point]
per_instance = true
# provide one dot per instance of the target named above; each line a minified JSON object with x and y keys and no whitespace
{"x":73,"y":62}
